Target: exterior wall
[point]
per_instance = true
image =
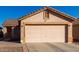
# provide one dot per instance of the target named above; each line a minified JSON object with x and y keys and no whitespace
{"x":38,"y":19}
{"x":34,"y":19}
{"x":70,"y":33}
{"x":56,"y":19}
{"x":76,"y":33}
{"x":22,"y":31}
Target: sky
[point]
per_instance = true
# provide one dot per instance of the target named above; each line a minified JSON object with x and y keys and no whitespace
{"x":15,"y":12}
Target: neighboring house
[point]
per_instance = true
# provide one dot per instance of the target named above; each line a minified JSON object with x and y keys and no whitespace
{"x":45,"y":25}
{"x":11,"y":30}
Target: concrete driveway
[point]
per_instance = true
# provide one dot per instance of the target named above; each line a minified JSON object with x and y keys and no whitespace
{"x":38,"y":47}
{"x":52,"y":47}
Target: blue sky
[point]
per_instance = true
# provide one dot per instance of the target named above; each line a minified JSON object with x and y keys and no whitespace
{"x":14,"y":12}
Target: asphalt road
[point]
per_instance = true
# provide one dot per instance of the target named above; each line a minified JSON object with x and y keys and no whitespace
{"x":38,"y":47}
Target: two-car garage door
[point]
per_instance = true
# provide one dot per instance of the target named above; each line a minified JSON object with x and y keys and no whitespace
{"x":45,"y":33}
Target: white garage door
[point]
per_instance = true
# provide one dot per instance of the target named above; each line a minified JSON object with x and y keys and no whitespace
{"x":41,"y":33}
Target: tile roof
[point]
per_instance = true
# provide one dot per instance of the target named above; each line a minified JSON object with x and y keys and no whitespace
{"x":11,"y":22}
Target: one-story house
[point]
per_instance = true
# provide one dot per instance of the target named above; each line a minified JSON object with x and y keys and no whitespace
{"x":11,"y":30}
{"x":44,"y":25}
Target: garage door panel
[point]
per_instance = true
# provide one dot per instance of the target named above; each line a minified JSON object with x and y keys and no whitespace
{"x":45,"y":33}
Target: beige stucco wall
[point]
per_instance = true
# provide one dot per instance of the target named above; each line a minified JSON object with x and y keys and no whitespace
{"x":70,"y":33}
{"x":38,"y":19}
{"x":22,"y":31}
